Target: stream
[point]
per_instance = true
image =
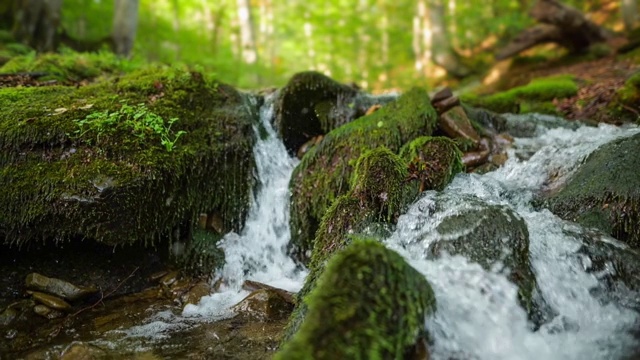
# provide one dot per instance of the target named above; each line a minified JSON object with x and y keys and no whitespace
{"x":478,"y":315}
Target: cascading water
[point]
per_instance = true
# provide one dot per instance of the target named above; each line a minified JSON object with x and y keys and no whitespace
{"x":478,"y":316}
{"x":259,"y":252}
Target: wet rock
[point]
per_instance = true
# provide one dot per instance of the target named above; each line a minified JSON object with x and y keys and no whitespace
{"x":614,"y":264}
{"x":251,"y":285}
{"x":16,"y":311}
{"x":490,"y":235}
{"x":47,"y":312}
{"x":8,"y":315}
{"x":57,"y":287}
{"x":369,"y":304}
{"x":456,"y":124}
{"x":51,"y":301}
{"x":604,"y":192}
{"x":83,"y":351}
{"x":195,"y":293}
{"x":313,"y":104}
{"x":170,"y":278}
{"x":264,"y":305}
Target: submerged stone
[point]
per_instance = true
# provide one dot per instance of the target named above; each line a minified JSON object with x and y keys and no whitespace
{"x":264,"y":305}
{"x":493,"y":236}
{"x":369,"y":304}
{"x":57,"y":287}
{"x":325,"y":171}
{"x":50,"y":301}
{"x":130,"y":159}
{"x":605,"y":191}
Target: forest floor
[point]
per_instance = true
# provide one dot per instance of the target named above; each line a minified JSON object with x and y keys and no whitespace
{"x":598,"y":80}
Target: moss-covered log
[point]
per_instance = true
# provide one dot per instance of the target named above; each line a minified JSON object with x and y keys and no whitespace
{"x":324,"y":172}
{"x":105,"y":161}
{"x":369,"y":304}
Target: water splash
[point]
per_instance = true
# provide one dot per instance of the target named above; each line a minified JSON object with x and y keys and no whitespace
{"x":259,"y":252}
{"x":478,"y":315}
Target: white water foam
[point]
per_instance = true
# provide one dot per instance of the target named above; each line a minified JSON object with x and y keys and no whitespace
{"x":259,"y":252}
{"x":478,"y":316}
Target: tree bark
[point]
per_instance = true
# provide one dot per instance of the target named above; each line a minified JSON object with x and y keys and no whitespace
{"x":125,"y":25}
{"x":442,"y":53}
{"x":36,"y":23}
{"x":247,"y":33}
{"x":629,"y":11}
{"x":560,"y":24}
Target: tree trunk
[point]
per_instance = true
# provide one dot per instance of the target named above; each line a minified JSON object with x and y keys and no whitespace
{"x":629,"y":10}
{"x":125,"y":24}
{"x":247,"y":33}
{"x":442,"y":52}
{"x":561,"y":24}
{"x":36,"y":23}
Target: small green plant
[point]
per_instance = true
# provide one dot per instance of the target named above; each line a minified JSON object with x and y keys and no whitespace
{"x":137,"y":118}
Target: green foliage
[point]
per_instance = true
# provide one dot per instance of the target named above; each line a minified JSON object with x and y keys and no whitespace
{"x":69,"y":66}
{"x":138,"y":119}
{"x":369,"y":304}
{"x":529,"y":98}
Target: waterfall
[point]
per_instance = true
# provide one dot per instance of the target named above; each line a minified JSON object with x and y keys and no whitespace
{"x":259,"y":252}
{"x":478,"y":315}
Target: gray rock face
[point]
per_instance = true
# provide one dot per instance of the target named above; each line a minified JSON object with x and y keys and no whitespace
{"x":604,"y":193}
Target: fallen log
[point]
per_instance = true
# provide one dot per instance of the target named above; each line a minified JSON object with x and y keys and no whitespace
{"x":558,"y":23}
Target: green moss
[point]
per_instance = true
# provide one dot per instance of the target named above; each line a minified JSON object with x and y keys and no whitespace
{"x":525,"y":98}
{"x":380,"y":192}
{"x":604,"y":192}
{"x":433,"y":161}
{"x":68,"y":66}
{"x":626,"y":98}
{"x":112,"y":187}
{"x":369,"y":304}
{"x":306,"y":105}
{"x":325,"y":171}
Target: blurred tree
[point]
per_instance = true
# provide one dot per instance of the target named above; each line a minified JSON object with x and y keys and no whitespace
{"x":36,"y":23}
{"x":125,"y":24}
{"x":629,"y":10}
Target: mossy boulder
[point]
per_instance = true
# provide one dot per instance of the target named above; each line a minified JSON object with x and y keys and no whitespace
{"x":433,"y":161}
{"x":536,"y":96}
{"x":369,"y":304}
{"x":324,"y":172}
{"x":67,"y":66}
{"x":380,"y":192}
{"x":105,"y":161}
{"x":311,"y":104}
{"x":604,"y":192}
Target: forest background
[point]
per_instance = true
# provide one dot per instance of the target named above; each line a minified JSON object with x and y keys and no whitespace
{"x":376,"y":44}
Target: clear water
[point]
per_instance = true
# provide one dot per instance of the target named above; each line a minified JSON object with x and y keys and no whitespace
{"x":259,"y":252}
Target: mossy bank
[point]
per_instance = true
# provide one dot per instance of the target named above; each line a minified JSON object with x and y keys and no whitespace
{"x":133,"y":158}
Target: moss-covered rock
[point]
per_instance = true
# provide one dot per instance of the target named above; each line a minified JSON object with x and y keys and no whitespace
{"x":433,"y":161}
{"x":605,"y":191}
{"x":311,"y":104}
{"x":325,"y":171}
{"x":533,"y":97}
{"x":95,"y":161}
{"x":369,"y":304}
{"x":67,"y":66}
{"x":380,"y":192}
